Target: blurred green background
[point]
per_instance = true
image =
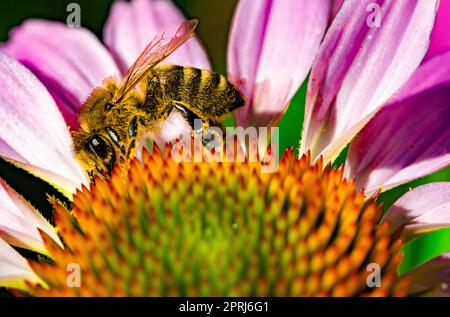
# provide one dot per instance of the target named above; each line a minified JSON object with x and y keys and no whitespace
{"x":215,"y":17}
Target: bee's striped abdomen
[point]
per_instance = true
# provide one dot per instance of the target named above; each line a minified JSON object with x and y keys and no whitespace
{"x":208,"y":94}
{"x":193,"y":79}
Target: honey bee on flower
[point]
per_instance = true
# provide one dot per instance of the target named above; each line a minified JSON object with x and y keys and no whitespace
{"x":116,"y":115}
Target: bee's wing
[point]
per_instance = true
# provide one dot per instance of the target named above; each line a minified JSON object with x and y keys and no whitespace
{"x":155,"y":52}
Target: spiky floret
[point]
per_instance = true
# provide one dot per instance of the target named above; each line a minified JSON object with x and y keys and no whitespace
{"x":221,"y":228}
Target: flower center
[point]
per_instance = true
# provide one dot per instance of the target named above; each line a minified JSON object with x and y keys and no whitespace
{"x":164,"y":228}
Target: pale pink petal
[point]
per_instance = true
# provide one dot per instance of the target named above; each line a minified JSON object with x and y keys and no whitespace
{"x":360,"y":66}
{"x":131,"y":26}
{"x":422,"y":209}
{"x":19,"y":221}
{"x":70,"y":62}
{"x":432,"y":278}
{"x":410,"y":137}
{"x":33,"y":132}
{"x":270,"y":51}
{"x":440,"y":37}
{"x":174,"y":127}
{"x":14,"y":269}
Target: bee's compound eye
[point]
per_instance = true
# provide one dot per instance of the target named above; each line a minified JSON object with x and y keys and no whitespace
{"x":98,"y":146}
{"x":108,"y":106}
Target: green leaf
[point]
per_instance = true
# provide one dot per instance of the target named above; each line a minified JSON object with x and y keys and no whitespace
{"x":389,"y":197}
{"x":292,"y":122}
{"x":425,"y":248}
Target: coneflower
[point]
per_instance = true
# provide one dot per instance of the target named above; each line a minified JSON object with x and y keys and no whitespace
{"x":169,"y":228}
{"x":225,"y":228}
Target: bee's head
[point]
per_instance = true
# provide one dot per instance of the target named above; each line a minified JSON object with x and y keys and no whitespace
{"x":94,"y":111}
{"x":95,"y":153}
{"x":92,"y":147}
{"x":103,"y":127}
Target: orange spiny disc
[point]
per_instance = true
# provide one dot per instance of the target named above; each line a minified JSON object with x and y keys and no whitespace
{"x":204,"y":229}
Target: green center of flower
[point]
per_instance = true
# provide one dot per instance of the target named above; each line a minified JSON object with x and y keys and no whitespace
{"x":164,"y":228}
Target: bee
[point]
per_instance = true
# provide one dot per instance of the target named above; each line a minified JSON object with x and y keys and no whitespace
{"x":117,"y":114}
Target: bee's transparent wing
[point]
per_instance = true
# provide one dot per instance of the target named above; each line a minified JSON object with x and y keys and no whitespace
{"x":155,"y":52}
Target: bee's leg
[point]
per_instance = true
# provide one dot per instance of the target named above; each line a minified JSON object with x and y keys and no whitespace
{"x":208,"y":128}
{"x":131,"y":149}
{"x":99,"y":172}
{"x":188,"y":115}
{"x":213,"y":136}
{"x":193,"y":120}
{"x":127,"y":151}
{"x":91,"y":176}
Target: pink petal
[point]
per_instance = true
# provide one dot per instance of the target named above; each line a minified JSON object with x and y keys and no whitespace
{"x":410,"y":137}
{"x":359,"y":67}
{"x":19,"y":221}
{"x":33,"y":133}
{"x":171,"y":129}
{"x":70,"y":62}
{"x":432,"y":278}
{"x":271,"y":48}
{"x":440,"y":37}
{"x":14,"y":269}
{"x":424,"y":208}
{"x":131,"y":26}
